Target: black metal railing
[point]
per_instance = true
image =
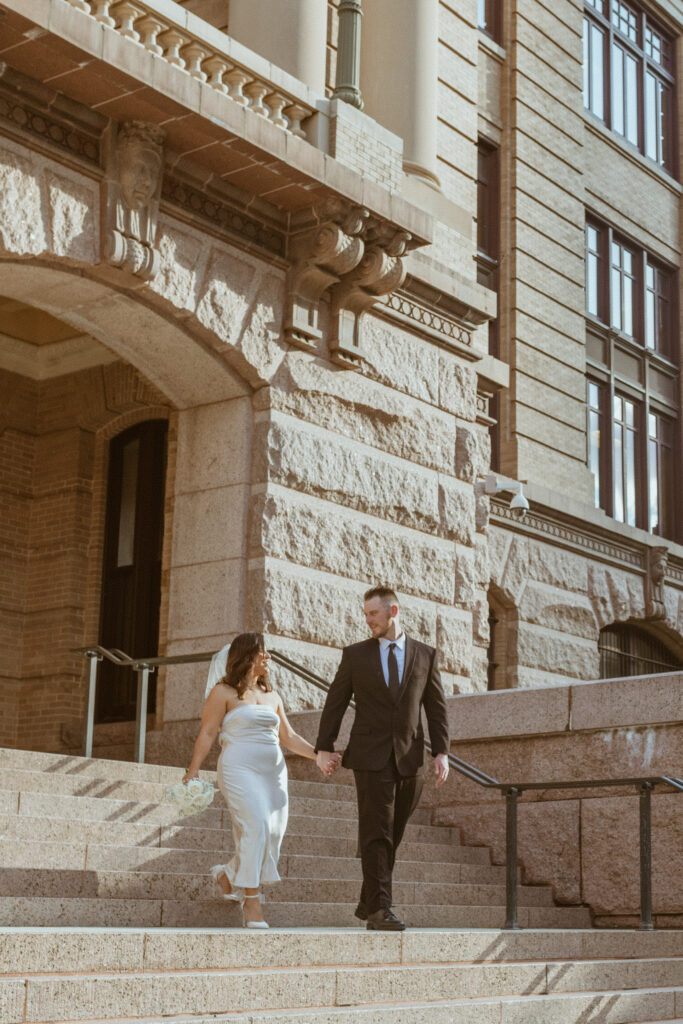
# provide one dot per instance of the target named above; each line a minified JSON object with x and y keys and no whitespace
{"x":512,"y":791}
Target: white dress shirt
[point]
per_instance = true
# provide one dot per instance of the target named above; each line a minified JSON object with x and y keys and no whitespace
{"x":399,"y":652}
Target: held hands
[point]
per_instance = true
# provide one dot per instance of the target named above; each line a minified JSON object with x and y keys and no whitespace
{"x":441,"y":769}
{"x":327,"y":762}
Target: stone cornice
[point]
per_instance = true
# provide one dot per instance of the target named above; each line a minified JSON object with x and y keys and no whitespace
{"x":422,"y":318}
{"x":572,"y":534}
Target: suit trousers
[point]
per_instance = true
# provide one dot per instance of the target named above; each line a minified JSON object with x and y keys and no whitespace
{"x":386,"y":799}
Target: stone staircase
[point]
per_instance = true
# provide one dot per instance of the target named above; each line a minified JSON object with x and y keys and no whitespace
{"x":107,"y":912}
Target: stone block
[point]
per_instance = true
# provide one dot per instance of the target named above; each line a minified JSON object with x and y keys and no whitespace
{"x":22,"y":204}
{"x":457,"y":387}
{"x":610,"y":859}
{"x":321,"y":536}
{"x":532,"y":560}
{"x":559,"y":610}
{"x":628,"y":703}
{"x":73,"y":218}
{"x":320,"y":609}
{"x":206,"y":600}
{"x":616,"y":595}
{"x":509,"y":713}
{"x":457,"y":510}
{"x":183,"y":257}
{"x":548,"y":650}
{"x":472,"y":453}
{"x":400,"y":360}
{"x":454,"y":640}
{"x":210,"y":525}
{"x":361,"y":409}
{"x":315,"y":462}
{"x":213,"y":446}
{"x":241,"y":308}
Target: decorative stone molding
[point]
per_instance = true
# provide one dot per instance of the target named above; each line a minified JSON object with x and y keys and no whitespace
{"x":436,"y":325}
{"x":223,"y":213}
{"x":657,"y":558}
{"x":42,"y":118}
{"x":569,"y":535}
{"x":131,"y":190}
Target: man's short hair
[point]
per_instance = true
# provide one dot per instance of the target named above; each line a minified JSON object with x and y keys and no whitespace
{"x":386,"y":594}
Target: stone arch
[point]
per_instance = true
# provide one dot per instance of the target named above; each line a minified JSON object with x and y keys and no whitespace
{"x":165,"y":350}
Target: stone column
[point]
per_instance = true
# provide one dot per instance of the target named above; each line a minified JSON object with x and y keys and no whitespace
{"x":290,"y":33}
{"x":398,"y":76}
{"x":347,"y":82}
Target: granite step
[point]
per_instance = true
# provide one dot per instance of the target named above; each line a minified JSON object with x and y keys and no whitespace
{"x":92,"y":856}
{"x":625,"y":1007}
{"x":158,"y":809}
{"x":45,"y":911}
{"x":73,"y":950}
{"x":19,"y":779}
{"x":297,"y":840}
{"x":340,"y":816}
{"x":96,"y":995}
{"x":152,"y":885}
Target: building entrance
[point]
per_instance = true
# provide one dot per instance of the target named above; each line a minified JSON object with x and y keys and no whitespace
{"x":131,"y":577}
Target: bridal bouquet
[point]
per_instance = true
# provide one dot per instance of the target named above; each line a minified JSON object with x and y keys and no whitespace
{"x":190,"y":797}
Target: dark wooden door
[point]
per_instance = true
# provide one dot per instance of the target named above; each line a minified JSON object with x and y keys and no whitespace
{"x":131,"y":579}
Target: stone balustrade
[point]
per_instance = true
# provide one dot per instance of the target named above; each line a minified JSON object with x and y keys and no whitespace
{"x":172,"y":34}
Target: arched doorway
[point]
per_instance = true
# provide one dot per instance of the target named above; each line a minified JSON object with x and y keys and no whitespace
{"x":131,"y":570}
{"x":630,"y":650}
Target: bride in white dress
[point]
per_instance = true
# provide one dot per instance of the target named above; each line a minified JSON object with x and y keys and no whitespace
{"x":244,"y":711}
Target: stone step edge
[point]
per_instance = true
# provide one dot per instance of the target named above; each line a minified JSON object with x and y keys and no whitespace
{"x":408,"y":968}
{"x":301,"y":1016}
{"x":207,"y":851}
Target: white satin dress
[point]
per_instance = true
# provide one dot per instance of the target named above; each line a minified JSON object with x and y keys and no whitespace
{"x":252,"y":776}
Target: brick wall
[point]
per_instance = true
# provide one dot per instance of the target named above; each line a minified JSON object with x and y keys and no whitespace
{"x":53,"y":467}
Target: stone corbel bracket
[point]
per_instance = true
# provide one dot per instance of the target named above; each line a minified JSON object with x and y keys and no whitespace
{"x":380,"y":272}
{"x":354,"y":258}
{"x":131,"y":190}
{"x":321,"y":256}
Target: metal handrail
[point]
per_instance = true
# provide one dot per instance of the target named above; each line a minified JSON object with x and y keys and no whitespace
{"x":510,"y":790}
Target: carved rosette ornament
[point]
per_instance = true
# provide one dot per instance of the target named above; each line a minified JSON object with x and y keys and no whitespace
{"x":132,"y":188}
{"x":353,"y":257}
{"x":657,"y":558}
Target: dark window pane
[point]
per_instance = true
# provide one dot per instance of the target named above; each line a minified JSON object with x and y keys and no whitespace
{"x":489,"y":18}
{"x":630,"y":651}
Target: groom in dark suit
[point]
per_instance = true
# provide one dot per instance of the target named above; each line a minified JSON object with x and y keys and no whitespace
{"x":391,"y":677}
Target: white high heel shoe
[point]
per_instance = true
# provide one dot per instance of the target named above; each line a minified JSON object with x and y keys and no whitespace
{"x":216,"y":871}
{"x":253,"y":924}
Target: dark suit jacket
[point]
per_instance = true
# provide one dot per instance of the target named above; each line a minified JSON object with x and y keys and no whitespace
{"x":382,"y":723}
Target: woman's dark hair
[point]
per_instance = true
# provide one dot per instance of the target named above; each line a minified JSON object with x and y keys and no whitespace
{"x":243,"y":649}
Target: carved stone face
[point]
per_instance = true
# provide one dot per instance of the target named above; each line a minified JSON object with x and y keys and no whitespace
{"x":138,"y":174}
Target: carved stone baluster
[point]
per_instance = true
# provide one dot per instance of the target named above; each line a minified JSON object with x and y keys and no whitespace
{"x":80,"y":5}
{"x":236,"y":80}
{"x":296,"y":115}
{"x":101,"y":12}
{"x":150,"y":27}
{"x":276,"y":104}
{"x":126,"y":14}
{"x":172,"y":41}
{"x":216,"y":68}
{"x":194,"y":54}
{"x":256,"y":91}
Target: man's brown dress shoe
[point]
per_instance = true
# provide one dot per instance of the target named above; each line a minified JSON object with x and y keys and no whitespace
{"x":384,"y":920}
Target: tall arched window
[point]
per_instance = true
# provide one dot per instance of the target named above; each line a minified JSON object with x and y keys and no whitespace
{"x":627,"y":650}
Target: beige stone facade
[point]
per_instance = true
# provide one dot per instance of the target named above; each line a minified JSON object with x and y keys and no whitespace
{"x":291,"y":283}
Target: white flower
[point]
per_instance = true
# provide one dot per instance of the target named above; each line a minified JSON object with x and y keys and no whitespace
{"x":190,"y":797}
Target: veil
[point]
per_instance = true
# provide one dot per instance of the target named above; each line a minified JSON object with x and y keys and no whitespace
{"x":216,"y":669}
